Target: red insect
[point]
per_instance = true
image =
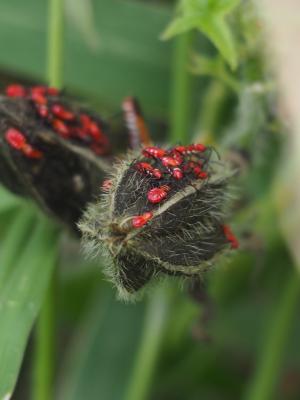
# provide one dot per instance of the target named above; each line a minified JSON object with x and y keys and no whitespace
{"x":60,"y":112}
{"x":170,"y":162}
{"x":15,"y":90}
{"x":197,"y":170}
{"x":15,"y":138}
{"x":198,"y":147}
{"x":141,"y":220}
{"x":18,"y":141}
{"x":44,"y":90}
{"x":177,"y":173}
{"x":153,"y":151}
{"x":203,"y":175}
{"x":148,"y":169}
{"x":43,"y":111}
{"x":30,"y":152}
{"x":85,"y":121}
{"x":52,"y":91}
{"x":158,"y":194}
{"x":61,"y":128}
{"x":38,"y":98}
{"x":94,"y":130}
{"x":39,"y":89}
{"x":177,"y":157}
{"x":199,"y":173}
{"x":180,"y":149}
{"x":106,"y":185}
{"x":230,"y":237}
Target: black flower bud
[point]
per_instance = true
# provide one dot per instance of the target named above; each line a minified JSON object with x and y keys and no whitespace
{"x":52,"y":150}
{"x":162,"y":213}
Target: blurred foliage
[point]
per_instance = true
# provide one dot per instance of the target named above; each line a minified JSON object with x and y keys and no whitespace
{"x":208,"y":16}
{"x":208,"y":349}
{"x":22,"y":286}
{"x":128,"y":60}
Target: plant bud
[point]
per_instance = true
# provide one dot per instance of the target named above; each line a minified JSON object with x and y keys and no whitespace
{"x":51,"y":150}
{"x":171,"y":222}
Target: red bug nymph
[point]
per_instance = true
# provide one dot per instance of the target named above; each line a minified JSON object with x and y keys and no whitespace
{"x":158,"y":194}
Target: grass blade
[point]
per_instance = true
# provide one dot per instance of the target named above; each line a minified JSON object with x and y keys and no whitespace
{"x":14,"y":240}
{"x":21,"y":299}
{"x":7,"y":200}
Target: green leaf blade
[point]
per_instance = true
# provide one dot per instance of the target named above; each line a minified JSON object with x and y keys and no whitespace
{"x":209,"y":18}
{"x":218,"y":31}
{"x":180,"y":25}
{"x":15,"y":238}
{"x":20,"y":301}
{"x":100,"y":359}
{"x":7,"y":200}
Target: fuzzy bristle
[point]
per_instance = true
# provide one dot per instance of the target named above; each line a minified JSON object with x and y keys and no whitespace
{"x":152,"y":223}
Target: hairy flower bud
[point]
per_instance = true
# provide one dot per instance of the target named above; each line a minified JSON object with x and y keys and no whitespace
{"x":163,"y":213}
{"x":51,"y":150}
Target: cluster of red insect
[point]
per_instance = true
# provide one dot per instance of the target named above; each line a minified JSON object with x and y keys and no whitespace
{"x":175,"y":163}
{"x":80,"y":127}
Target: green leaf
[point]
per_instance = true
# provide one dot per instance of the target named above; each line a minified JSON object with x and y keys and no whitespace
{"x":100,"y":359}
{"x":223,"y":6}
{"x":80,"y":13}
{"x":7,"y":200}
{"x":21,"y":298}
{"x":181,"y":25}
{"x":217,"y":29}
{"x":209,"y":18}
{"x":15,"y":239}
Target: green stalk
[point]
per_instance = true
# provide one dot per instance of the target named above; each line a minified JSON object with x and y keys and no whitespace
{"x":180,"y":102}
{"x":44,"y":363}
{"x":212,"y":106}
{"x":265,"y":378}
{"x":55,"y":43}
{"x":146,"y":359}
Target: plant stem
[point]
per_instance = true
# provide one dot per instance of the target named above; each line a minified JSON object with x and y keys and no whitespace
{"x":212,"y":106}
{"x":44,"y":363}
{"x":154,"y":326}
{"x":55,"y":42}
{"x":264,"y":381}
{"x":180,"y":106}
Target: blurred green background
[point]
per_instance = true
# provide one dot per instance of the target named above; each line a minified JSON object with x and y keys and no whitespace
{"x":208,"y":82}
